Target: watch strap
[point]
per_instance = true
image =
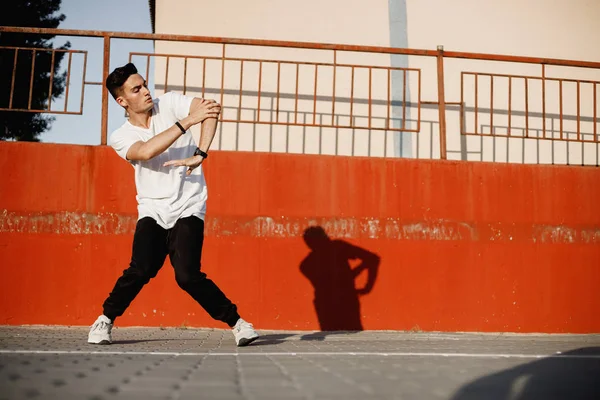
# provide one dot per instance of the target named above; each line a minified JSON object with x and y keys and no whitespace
{"x":183,"y":131}
{"x":199,"y":152}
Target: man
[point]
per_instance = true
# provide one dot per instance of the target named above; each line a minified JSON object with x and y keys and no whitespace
{"x":171,"y":195}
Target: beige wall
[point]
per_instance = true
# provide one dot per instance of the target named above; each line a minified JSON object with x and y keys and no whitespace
{"x":565,"y":29}
{"x":544,"y":28}
{"x":336,"y":21}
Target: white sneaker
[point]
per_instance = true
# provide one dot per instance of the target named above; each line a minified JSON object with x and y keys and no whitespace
{"x":244,"y":333}
{"x":100,"y":331}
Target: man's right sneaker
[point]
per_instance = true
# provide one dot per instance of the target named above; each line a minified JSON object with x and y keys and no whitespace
{"x":244,"y":333}
{"x":100,"y":331}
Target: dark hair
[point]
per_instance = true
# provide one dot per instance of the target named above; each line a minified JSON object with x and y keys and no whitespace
{"x":117,"y":78}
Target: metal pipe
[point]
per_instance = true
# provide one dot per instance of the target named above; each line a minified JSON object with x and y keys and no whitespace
{"x":222,"y":81}
{"x":31,"y":81}
{"x":509,"y":106}
{"x":296,"y":98}
{"x":184,"y":75}
{"x":167,"y":75}
{"x":462,"y":102}
{"x":333,"y":91}
{"x":315,"y":94}
{"x":492,"y":106}
{"x":404,"y":100}
{"x":526,"y":108}
{"x":14,"y":74}
{"x":203,"y":77}
{"x":418,"y":105}
{"x":259,"y":90}
{"x":352,"y":99}
{"x":389,"y":102}
{"x":560,"y":101}
{"x":306,"y":45}
{"x":105,"y":72}
{"x":320,"y":64}
{"x":83,"y":83}
{"x":50,"y":85}
{"x":278,"y":84}
{"x":147,"y":67}
{"x":595,"y":120}
{"x":578,"y":112}
{"x":241,"y":90}
{"x":544,"y":100}
{"x":476,"y":103}
{"x":68,"y":82}
{"x":442,"y":100}
{"x":370,"y":98}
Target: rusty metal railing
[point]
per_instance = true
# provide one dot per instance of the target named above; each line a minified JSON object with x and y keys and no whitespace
{"x":34,"y":52}
{"x":576,"y":136}
{"x":310,"y":118}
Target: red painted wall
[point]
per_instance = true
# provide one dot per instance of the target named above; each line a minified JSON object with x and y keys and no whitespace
{"x":463,"y":246}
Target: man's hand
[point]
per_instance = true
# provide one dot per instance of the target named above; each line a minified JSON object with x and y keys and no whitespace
{"x":190,"y":162}
{"x":199,"y":111}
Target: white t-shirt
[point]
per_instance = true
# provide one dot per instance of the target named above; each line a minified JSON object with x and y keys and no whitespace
{"x":164,"y":193}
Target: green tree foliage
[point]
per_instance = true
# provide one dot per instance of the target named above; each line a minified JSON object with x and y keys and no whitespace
{"x":18,"y":125}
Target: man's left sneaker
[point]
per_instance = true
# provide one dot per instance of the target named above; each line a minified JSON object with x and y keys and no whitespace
{"x":244,"y":333}
{"x":100,"y":331}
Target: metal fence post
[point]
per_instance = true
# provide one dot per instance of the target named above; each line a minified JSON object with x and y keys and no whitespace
{"x":441,"y":101}
{"x":104,"y":129}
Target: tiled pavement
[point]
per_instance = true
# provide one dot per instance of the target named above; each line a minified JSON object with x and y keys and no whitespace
{"x":153,"y":363}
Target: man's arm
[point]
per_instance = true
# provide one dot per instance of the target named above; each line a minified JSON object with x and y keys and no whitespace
{"x":207,"y":134}
{"x":207,"y":129}
{"x":201,"y":111}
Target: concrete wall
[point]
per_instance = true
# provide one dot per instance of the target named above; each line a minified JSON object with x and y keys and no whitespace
{"x":463,"y":246}
{"x":557,"y":29}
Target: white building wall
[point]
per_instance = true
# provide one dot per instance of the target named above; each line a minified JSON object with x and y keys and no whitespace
{"x":539,"y":28}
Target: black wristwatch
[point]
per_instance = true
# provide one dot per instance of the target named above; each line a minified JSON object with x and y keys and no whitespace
{"x":199,"y":152}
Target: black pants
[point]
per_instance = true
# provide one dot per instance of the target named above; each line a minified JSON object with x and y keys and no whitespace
{"x":183,"y":244}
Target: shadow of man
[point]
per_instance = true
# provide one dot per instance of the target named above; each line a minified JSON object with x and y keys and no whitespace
{"x":329,"y":270}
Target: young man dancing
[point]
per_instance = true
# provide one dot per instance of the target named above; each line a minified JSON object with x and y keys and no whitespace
{"x":171,"y":195}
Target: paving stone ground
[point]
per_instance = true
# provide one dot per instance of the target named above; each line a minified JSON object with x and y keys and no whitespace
{"x":153,"y":363}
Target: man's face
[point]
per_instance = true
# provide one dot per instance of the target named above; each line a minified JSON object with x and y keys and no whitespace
{"x":135,"y":96}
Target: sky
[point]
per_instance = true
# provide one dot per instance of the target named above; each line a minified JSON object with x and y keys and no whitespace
{"x":106,"y":15}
